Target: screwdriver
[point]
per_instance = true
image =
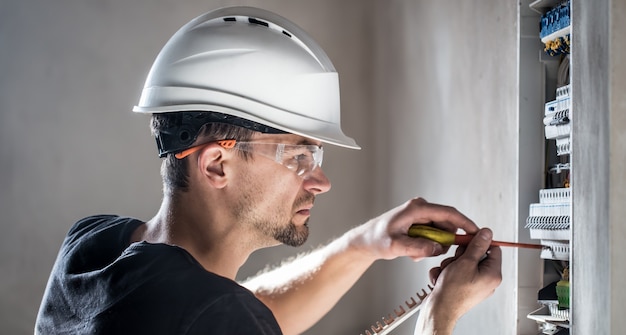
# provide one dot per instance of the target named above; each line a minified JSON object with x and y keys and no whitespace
{"x":447,"y":238}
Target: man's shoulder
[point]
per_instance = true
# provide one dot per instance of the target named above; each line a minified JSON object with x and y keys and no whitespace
{"x":238,"y":312}
{"x":99,"y":223}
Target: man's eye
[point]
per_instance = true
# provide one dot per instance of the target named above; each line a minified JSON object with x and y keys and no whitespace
{"x":302,"y":157}
{"x":295,"y":159}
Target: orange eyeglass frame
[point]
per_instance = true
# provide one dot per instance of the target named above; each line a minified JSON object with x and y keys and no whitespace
{"x":226,"y":144}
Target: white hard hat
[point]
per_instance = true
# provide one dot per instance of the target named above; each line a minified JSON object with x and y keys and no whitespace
{"x":251,"y":64}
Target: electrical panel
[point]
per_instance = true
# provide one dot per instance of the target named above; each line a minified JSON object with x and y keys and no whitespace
{"x":549,"y":219}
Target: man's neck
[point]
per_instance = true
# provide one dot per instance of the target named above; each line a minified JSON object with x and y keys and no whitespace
{"x":214,"y":241}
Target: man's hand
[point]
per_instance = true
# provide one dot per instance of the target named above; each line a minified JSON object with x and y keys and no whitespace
{"x":461,"y":282}
{"x":386,"y":237}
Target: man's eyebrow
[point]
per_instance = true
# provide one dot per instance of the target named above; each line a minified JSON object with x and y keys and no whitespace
{"x":305,"y":141}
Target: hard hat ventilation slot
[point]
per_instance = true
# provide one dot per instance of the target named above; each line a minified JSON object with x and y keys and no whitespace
{"x":253,"y":20}
{"x":259,"y":22}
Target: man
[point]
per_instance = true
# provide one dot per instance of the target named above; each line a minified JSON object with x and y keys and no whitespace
{"x":242,"y":101}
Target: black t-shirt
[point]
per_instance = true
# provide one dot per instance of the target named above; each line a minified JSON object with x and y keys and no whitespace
{"x":101,"y":285}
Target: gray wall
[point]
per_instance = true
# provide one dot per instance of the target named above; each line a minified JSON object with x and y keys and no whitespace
{"x":71,"y":72}
{"x":599,"y":166}
{"x":429,"y":89}
{"x":446,"y":101}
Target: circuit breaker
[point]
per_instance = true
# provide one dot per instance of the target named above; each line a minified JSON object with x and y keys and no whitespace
{"x":549,"y":219}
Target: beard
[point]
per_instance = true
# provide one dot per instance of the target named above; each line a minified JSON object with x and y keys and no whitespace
{"x":279,"y":226}
{"x":291,"y":234}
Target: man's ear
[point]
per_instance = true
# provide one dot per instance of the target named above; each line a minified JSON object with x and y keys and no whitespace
{"x":211,"y":165}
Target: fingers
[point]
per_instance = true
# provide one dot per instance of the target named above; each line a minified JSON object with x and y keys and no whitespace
{"x":436,"y":271}
{"x":459,"y":251}
{"x":445,"y":217}
{"x":420,"y":248}
{"x":491,"y":267}
{"x":434,"y":274}
{"x":479,"y":245}
{"x":386,"y":237}
{"x":446,"y":262}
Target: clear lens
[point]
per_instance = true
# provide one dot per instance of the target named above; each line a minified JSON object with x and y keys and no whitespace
{"x":301,"y":159}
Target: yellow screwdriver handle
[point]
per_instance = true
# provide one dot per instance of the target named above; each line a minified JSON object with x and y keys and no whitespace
{"x":442,"y":237}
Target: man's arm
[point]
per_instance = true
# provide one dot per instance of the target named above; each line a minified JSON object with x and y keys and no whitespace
{"x":302,"y":291}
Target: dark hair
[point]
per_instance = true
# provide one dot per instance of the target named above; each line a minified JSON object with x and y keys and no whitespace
{"x":174,"y":171}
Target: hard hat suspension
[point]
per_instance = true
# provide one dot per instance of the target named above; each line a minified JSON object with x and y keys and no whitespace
{"x":185,"y":127}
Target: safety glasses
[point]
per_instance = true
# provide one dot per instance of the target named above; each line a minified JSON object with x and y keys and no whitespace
{"x":302,"y":159}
